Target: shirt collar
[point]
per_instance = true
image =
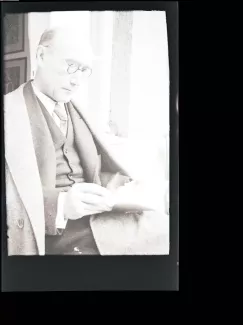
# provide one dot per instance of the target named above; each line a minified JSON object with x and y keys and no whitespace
{"x":48,"y":103}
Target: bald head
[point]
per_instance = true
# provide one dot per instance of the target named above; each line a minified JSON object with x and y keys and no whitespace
{"x":58,"y":49}
{"x":65,"y":37}
{"x":48,"y":36}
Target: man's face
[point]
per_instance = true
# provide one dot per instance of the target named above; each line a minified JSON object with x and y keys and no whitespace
{"x":57,"y":82}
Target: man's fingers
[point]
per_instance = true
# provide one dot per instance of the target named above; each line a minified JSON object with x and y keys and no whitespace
{"x":92,"y":188}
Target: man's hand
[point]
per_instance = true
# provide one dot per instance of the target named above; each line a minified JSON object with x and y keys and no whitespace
{"x":86,"y":199}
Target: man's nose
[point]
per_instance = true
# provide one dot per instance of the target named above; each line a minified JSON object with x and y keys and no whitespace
{"x":75,"y":81}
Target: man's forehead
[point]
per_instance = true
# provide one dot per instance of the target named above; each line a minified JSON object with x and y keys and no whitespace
{"x":76,"y":55}
{"x":71,"y":47}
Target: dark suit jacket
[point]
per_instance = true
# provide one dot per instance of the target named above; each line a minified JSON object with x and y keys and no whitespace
{"x":30,"y":153}
{"x":88,"y":150}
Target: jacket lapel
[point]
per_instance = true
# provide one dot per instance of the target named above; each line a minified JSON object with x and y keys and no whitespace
{"x":85,"y":146}
{"x":42,"y":138}
{"x":109,"y":162}
{"x":22,"y":163}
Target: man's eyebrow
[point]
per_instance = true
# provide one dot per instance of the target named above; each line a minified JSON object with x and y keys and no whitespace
{"x":75,"y":62}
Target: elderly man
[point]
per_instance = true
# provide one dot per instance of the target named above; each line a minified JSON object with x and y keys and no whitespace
{"x":65,"y":191}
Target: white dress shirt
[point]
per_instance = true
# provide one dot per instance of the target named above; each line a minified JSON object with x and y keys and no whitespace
{"x":50,"y":104}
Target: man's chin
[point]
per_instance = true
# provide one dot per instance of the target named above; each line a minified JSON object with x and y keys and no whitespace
{"x":64,"y":99}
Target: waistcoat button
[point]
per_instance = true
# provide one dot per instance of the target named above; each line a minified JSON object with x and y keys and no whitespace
{"x":20,"y":223}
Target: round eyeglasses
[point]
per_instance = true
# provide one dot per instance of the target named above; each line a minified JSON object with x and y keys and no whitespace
{"x":73,"y":68}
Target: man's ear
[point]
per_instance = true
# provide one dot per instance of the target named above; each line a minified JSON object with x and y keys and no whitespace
{"x":40,"y":54}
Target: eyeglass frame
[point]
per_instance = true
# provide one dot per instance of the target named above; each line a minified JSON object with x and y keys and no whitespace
{"x":72,"y":64}
{"x":78,"y":68}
